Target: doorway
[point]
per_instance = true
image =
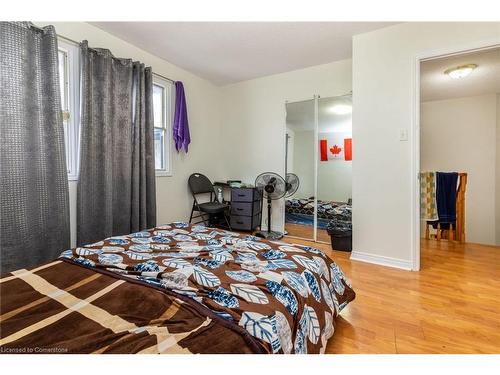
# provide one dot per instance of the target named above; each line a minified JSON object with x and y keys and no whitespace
{"x":459,"y":152}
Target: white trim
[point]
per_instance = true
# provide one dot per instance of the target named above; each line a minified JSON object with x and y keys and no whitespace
{"x":415,"y":131}
{"x":381,"y":260}
{"x":415,"y":169}
{"x":168,"y":98}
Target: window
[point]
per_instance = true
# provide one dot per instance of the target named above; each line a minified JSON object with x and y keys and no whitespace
{"x":162,"y":112}
{"x":69,"y":85}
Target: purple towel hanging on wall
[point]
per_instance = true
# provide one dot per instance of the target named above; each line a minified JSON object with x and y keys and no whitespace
{"x":181,"y":124}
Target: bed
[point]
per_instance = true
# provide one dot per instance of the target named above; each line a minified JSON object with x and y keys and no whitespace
{"x":175,"y":289}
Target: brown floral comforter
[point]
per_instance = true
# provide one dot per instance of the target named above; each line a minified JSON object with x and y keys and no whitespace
{"x":279,"y":298}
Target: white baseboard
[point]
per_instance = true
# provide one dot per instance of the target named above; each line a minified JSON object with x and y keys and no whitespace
{"x":381,"y":260}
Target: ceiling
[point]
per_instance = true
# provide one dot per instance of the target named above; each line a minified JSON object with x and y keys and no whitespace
{"x":228,"y":52}
{"x":300,"y":115}
{"x":485,"y":79}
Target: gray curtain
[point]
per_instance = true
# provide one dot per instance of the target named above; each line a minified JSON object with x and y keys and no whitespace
{"x":116,"y":187}
{"x":34,"y":209}
{"x":143,"y":213}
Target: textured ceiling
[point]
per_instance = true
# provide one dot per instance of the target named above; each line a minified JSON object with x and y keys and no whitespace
{"x":228,"y":52}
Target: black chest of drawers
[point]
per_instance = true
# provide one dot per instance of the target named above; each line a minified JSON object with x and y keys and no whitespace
{"x":246,"y":209}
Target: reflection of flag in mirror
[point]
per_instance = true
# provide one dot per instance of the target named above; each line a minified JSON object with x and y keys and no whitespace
{"x":335,"y":146}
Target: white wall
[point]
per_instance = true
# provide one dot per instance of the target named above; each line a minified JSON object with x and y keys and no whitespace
{"x":253,"y":118}
{"x":383,"y":96}
{"x":203,"y":98}
{"x":460,"y":135}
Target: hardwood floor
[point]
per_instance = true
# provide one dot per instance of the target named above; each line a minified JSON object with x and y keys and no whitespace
{"x":306,"y":231}
{"x":450,"y":306}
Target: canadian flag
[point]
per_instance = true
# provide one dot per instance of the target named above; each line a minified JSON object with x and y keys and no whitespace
{"x":337,"y":147}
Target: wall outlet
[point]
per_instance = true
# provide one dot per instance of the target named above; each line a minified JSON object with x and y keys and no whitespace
{"x":403,"y":134}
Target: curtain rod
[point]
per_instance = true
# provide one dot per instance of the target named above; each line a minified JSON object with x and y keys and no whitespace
{"x":78,"y":43}
{"x":31,"y":24}
{"x":68,"y":39}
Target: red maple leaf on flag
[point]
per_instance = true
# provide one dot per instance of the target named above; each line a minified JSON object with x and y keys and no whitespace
{"x":335,"y":150}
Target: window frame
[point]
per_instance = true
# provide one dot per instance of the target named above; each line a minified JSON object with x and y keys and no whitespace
{"x":72,"y":90}
{"x":167,"y":87}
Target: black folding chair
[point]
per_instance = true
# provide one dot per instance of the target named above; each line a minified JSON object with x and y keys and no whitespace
{"x":200,"y":184}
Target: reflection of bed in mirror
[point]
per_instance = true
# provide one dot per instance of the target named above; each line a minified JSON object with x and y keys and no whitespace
{"x":300,"y":212}
{"x":327,"y":210}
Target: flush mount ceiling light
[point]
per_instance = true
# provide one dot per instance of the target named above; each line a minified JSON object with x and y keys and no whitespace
{"x":341,"y":109}
{"x":460,"y":71}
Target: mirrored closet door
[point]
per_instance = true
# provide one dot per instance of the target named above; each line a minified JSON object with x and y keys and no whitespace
{"x":334,"y":182}
{"x":319,"y":152}
{"x":300,"y":154}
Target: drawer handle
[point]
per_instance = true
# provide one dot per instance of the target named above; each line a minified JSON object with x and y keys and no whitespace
{"x":241,"y":195}
{"x":239,"y":209}
{"x":239,"y":222}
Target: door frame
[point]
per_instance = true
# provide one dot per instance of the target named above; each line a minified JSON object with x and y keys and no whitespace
{"x":415,"y":130}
